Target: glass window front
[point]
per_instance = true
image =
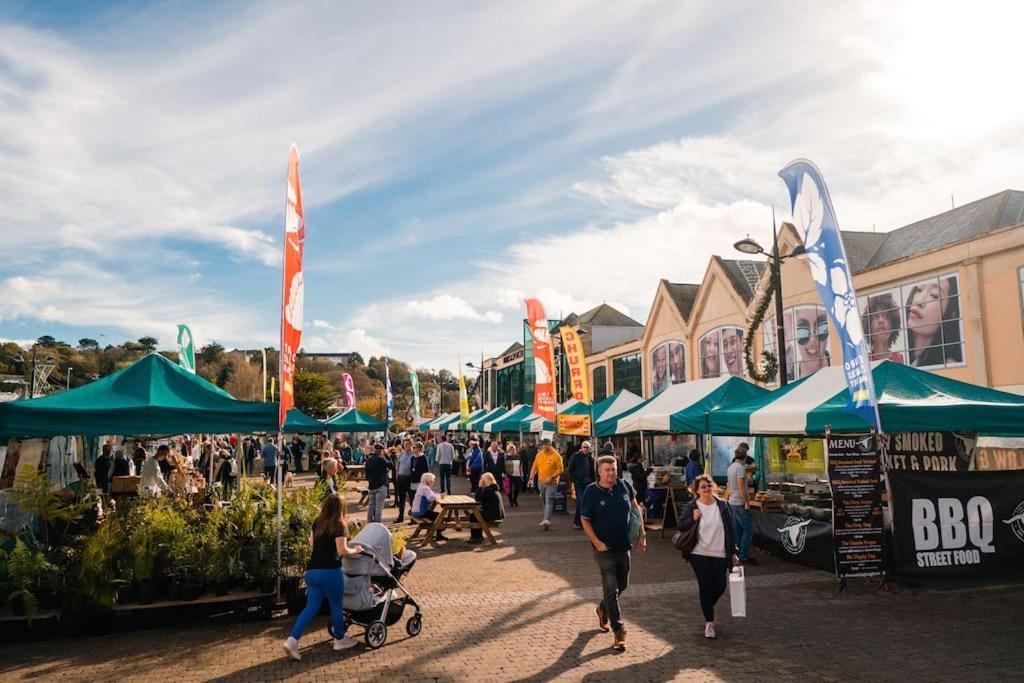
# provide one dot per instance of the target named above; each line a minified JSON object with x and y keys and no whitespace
{"x":600,"y":383}
{"x":626,"y":373}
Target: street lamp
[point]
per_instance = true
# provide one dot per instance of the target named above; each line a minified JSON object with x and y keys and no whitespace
{"x":67,"y":384}
{"x":480,"y":379}
{"x":750,"y":247}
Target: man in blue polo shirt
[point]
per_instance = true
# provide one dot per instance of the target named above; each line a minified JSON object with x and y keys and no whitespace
{"x":605,"y":512}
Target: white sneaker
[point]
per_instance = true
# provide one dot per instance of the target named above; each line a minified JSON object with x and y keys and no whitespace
{"x":344,"y":643}
{"x":709,"y":631}
{"x":291,"y":648}
{"x":546,"y":524}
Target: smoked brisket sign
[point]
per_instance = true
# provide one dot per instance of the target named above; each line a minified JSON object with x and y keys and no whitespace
{"x":855,"y":476}
{"x":968,"y":524}
{"x":928,"y":451}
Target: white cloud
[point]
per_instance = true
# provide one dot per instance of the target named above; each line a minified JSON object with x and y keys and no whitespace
{"x":333,"y":338}
{"x":449,"y":307}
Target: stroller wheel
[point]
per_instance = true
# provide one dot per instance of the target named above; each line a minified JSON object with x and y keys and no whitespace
{"x":376,"y":634}
{"x":414,"y":625}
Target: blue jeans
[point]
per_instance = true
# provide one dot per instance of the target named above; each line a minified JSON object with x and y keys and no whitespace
{"x":320,"y":584}
{"x":446,"y":477}
{"x":547,"y":494}
{"x":375,"y":504}
{"x":743,"y":525}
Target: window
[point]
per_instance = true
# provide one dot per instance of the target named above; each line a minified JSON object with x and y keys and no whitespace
{"x":668,"y":365}
{"x":918,"y":323}
{"x":626,"y":373}
{"x":807,"y":330}
{"x":1020,"y":277}
{"x":600,"y":388}
{"x":721,"y":352}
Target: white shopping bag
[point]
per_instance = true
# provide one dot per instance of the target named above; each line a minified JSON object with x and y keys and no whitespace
{"x":738,"y":592}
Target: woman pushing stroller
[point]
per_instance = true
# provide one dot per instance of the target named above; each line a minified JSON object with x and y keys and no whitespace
{"x":324,"y":578}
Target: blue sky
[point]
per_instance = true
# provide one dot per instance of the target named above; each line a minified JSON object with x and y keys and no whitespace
{"x":459,"y":156}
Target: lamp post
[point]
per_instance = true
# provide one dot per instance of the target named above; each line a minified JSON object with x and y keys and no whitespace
{"x":67,"y":384}
{"x":480,"y":378}
{"x":752,"y":248}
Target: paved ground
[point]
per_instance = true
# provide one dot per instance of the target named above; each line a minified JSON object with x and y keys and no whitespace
{"x":524,"y":611}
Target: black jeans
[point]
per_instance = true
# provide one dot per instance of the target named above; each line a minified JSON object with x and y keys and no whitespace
{"x":580,"y":487}
{"x":474,"y":480}
{"x":614,"y":566}
{"x":711,"y":573}
{"x":402,"y":494}
{"x":516,"y":487}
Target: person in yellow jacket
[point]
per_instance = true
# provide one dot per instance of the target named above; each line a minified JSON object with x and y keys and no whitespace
{"x":548,"y":468}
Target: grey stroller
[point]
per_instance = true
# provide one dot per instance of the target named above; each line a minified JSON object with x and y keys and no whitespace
{"x":374,"y":595}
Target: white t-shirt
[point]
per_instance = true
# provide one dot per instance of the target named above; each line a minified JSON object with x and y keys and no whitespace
{"x":711,"y":534}
{"x":517,"y":467}
{"x":734,"y":475}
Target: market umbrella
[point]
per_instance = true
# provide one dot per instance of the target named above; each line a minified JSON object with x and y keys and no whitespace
{"x":151,"y":396}
{"x":909,"y":400}
{"x":352,"y":420}
{"x":680,"y":408}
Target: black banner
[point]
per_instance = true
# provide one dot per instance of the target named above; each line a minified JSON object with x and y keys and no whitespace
{"x":804,"y":541}
{"x":968,"y":524}
{"x":855,"y":477}
{"x":928,"y":451}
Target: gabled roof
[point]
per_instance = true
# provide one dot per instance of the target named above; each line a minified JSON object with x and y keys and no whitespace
{"x":961,"y":224}
{"x":744,"y":275}
{"x":603,"y":315}
{"x":516,"y":346}
{"x":860,"y":247}
{"x":683,"y":296}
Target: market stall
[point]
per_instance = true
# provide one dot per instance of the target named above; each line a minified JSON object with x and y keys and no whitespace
{"x":930,"y":426}
{"x":431,"y":425}
{"x":352,"y":420}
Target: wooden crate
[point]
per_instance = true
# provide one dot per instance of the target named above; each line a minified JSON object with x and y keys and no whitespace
{"x":125,"y":484}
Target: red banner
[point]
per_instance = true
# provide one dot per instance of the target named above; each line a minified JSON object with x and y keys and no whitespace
{"x":292,"y":289}
{"x":543,"y":360}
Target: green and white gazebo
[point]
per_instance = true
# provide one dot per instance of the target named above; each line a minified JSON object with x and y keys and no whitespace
{"x":430,"y":425}
{"x":352,"y":420}
{"x":909,"y":400}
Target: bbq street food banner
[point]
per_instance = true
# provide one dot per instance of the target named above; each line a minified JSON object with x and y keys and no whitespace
{"x":928,"y":451}
{"x":855,"y":477}
{"x":968,"y":524}
{"x":804,"y":541}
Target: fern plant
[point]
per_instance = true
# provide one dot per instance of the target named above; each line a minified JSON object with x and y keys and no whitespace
{"x":27,"y":571}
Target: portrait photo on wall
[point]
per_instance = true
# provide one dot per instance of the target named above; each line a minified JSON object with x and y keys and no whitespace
{"x":668,"y":365}
{"x":918,"y":323}
{"x":807,"y":329}
{"x":721,"y":352}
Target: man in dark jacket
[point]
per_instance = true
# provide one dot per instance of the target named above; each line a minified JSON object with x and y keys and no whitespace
{"x":581,"y":473}
{"x":494,"y":462}
{"x":377,"y":467}
{"x":103,"y":465}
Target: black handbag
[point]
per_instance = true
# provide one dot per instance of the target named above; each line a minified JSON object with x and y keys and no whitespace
{"x":685,"y":540}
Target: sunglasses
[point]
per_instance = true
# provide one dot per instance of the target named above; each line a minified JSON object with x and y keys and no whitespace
{"x":803,"y":333}
{"x":704,"y":486}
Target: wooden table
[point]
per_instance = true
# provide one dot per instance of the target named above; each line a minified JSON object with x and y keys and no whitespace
{"x":450,"y":511}
{"x":354,"y":472}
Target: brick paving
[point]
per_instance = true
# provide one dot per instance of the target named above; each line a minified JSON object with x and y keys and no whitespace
{"x":524,"y":611}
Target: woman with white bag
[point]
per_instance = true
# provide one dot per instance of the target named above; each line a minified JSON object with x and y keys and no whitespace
{"x":715,"y":537}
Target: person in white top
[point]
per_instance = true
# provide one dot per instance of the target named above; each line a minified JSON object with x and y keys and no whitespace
{"x":715,"y":543}
{"x":738,"y":496}
{"x":152,"y":479}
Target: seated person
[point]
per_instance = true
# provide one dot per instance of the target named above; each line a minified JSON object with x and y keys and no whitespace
{"x":328,"y":474}
{"x":490,"y":504}
{"x":425,"y":500}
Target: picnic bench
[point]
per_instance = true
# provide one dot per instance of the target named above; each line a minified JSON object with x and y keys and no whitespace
{"x":454,"y":512}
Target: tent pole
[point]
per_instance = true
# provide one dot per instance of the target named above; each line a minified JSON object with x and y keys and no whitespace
{"x":280,"y":514}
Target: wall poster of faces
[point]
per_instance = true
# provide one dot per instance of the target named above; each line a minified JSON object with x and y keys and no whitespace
{"x":721,"y":352}
{"x":917,"y":323}
{"x":806,"y":329}
{"x":668,"y":365}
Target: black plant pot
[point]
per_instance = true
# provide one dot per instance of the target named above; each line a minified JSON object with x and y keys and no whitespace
{"x":173,"y":591}
{"x":189,"y":591}
{"x":125,"y":594}
{"x":221,"y":587}
{"x":146,"y":592}
{"x":267,"y":585}
{"x":18,"y":606}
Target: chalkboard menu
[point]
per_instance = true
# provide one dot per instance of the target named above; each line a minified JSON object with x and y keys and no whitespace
{"x":676,"y":498}
{"x":855,"y":476}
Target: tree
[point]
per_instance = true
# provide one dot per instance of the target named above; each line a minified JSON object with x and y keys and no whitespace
{"x":46,"y":341}
{"x":313,"y":393}
{"x":85,"y":343}
{"x":211,"y":353}
{"x":246,"y":381}
{"x":148,"y":344}
{"x":374,"y":407}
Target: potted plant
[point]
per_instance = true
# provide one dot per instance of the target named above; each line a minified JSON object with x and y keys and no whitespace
{"x":28,"y":573}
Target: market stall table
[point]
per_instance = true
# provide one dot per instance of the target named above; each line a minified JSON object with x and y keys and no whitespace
{"x":450,"y":509}
{"x":354,"y":472}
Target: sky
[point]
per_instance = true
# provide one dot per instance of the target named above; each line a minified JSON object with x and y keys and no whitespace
{"x":458,"y":157}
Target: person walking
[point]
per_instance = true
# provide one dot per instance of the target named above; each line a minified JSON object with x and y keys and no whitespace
{"x":269,"y":454}
{"x":514,"y":467}
{"x":445,"y":460}
{"x":419,"y":468}
{"x":489,"y":497}
{"x":548,"y":469}
{"x":431,"y":453}
{"x":403,"y":478}
{"x":581,"y":472}
{"x":638,"y":475}
{"x":494,"y":462}
{"x":474,"y":466}
{"x":104,"y":463}
{"x":607,"y":507}
{"x":377,"y":467}
{"x":716,"y":541}
{"x":692,"y":467}
{"x":324,"y":578}
{"x":738,"y":496}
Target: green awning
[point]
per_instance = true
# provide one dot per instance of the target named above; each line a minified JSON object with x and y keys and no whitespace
{"x":352,"y":420}
{"x":457,"y":426}
{"x":297,"y":422}
{"x":681,"y":408}
{"x":477,"y":423}
{"x":909,"y":400}
{"x":430,"y":425}
{"x":151,"y":396}
{"x":511,"y":421}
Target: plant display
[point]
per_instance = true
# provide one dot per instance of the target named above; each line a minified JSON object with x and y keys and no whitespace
{"x":29,"y":573}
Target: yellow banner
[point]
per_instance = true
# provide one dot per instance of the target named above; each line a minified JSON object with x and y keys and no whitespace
{"x":796,"y":455}
{"x":574,"y":425}
{"x":572,"y":347}
{"x":463,"y":397}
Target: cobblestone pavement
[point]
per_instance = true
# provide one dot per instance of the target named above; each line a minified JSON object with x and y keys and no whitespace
{"x":524,"y":610}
